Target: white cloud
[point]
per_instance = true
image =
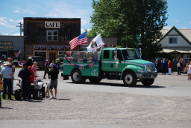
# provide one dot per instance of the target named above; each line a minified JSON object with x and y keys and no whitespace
{"x":8,"y":26}
{"x":24,"y":11}
{"x":5,"y":22}
{"x":70,"y":11}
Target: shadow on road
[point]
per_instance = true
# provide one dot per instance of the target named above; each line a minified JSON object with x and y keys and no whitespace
{"x":35,"y":101}
{"x":152,"y":86}
{"x":136,"y":86}
{"x":63,"y":99}
{"x":5,"y":108}
{"x":122,"y":85}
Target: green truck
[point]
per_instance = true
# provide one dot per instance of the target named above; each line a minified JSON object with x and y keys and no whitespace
{"x":110,"y":63}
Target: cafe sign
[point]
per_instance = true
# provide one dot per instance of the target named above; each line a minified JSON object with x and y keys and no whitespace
{"x":52,"y":24}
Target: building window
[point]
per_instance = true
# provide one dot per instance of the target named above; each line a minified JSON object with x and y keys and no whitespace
{"x":173,"y":40}
{"x":52,"y":35}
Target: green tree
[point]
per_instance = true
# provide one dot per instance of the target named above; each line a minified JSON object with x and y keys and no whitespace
{"x":133,"y":22}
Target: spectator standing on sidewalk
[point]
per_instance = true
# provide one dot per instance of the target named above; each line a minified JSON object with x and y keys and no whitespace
{"x":25,"y":74}
{"x":189,"y":71}
{"x":32,"y":77}
{"x":34,"y":69}
{"x":178,"y":65}
{"x":170,"y":65}
{"x":53,"y":73}
{"x":29,"y":62}
{"x":164,"y":66}
{"x":10,"y":60}
{"x":7,"y":75}
{"x":46,"y":68}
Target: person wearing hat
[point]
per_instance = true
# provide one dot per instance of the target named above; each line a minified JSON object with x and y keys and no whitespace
{"x":7,"y":75}
{"x":10,"y":60}
{"x":29,"y":61}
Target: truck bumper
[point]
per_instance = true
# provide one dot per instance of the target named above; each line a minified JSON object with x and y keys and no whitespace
{"x":147,"y":75}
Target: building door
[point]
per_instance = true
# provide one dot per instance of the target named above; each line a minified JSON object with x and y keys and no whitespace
{"x":52,"y":55}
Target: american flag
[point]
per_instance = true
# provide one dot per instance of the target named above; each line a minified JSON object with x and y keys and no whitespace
{"x":81,"y":39}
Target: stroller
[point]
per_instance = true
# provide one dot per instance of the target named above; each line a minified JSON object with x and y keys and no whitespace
{"x":37,"y":89}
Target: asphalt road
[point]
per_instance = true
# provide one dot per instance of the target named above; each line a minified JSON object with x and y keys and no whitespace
{"x":165,"y":104}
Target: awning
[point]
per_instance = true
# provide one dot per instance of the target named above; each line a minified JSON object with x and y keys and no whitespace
{"x":164,"y":50}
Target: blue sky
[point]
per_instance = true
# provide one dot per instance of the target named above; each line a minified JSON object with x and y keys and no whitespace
{"x":13,"y":11}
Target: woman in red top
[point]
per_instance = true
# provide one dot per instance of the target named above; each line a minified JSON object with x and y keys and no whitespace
{"x":32,"y":76}
{"x":170,"y":66}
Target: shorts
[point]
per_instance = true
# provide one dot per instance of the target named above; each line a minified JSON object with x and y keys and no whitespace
{"x":189,"y":72}
{"x":53,"y":84}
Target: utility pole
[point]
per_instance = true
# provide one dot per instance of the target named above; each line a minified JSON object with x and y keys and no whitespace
{"x":21,"y":28}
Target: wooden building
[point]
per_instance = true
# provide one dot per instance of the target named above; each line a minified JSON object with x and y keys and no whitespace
{"x":176,"y":43}
{"x":49,"y":37}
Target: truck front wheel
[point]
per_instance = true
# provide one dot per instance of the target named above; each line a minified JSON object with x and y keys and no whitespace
{"x":76,"y":77}
{"x":129,"y":79}
{"x":147,"y":82}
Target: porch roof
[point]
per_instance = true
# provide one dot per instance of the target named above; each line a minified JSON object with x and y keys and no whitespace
{"x":165,"y":50}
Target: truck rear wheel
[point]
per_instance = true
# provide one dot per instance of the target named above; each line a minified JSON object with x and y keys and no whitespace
{"x":94,"y":80}
{"x":147,"y":82}
{"x":76,"y":77}
{"x":129,"y":79}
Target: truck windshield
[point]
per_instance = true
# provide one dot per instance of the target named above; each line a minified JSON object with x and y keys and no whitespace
{"x":130,"y":54}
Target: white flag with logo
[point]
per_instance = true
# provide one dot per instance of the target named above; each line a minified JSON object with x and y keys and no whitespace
{"x":95,"y":44}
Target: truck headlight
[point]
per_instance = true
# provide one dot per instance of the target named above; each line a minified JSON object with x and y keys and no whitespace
{"x":150,"y":68}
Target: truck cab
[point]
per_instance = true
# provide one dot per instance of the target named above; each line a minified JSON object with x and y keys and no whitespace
{"x":125,"y":64}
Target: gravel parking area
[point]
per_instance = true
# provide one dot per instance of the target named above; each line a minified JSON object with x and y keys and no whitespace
{"x":96,"y":106}
{"x":109,"y":104}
